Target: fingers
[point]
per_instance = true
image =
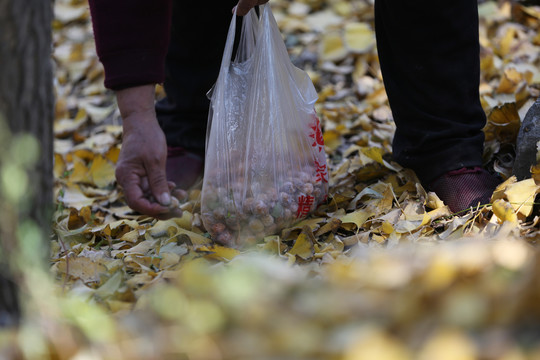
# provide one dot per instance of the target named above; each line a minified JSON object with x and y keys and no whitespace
{"x":138,"y":197}
{"x":157,"y":181}
{"x":135,"y":195}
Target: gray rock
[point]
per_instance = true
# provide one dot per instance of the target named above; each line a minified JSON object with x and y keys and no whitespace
{"x":528,"y":137}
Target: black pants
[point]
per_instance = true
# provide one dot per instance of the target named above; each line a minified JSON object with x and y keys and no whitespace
{"x":429,"y":55}
{"x":430,"y":61}
{"x":198,"y":35}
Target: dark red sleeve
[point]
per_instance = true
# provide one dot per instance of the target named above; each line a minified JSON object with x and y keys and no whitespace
{"x":132,"y":37}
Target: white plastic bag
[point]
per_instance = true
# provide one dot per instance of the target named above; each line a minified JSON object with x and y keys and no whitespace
{"x":265,"y":161}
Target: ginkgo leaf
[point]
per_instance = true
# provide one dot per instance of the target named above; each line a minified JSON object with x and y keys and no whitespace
{"x":332,"y":47}
{"x":80,"y":172}
{"x":303,"y":247}
{"x":504,"y":211}
{"x":111,"y":286}
{"x":73,"y":197}
{"x":353,"y":284}
{"x":102,"y":171}
{"x":82,"y":268}
{"x":112,"y":154}
{"x":219,"y":252}
{"x":521,"y":195}
{"x":358,"y":217}
{"x":59,"y":166}
{"x":332,"y":139}
{"x":66,"y":13}
{"x":359,"y":37}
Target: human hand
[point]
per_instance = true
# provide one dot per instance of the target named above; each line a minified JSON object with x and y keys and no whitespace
{"x":243,"y":6}
{"x":141,"y":165}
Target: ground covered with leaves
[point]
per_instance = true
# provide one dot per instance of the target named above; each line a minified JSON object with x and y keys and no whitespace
{"x":382,"y":271}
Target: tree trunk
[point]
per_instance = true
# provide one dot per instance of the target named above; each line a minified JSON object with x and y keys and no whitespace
{"x":26,"y":106}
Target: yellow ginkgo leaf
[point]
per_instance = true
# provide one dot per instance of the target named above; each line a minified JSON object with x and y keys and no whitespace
{"x":504,"y":211}
{"x":112,"y":154}
{"x":219,"y":252}
{"x":374,"y":153}
{"x":102,"y":171}
{"x":332,"y":47}
{"x":59,"y":166}
{"x":303,"y":247}
{"x":387,"y":227}
{"x":359,"y":37}
{"x":80,"y":172}
{"x":358,"y":217}
{"x":521,"y":195}
{"x":332,"y":139}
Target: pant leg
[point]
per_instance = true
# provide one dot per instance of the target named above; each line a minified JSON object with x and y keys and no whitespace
{"x":198,"y":35}
{"x":429,"y":56}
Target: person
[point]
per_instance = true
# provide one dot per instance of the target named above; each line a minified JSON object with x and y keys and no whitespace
{"x":429,"y":60}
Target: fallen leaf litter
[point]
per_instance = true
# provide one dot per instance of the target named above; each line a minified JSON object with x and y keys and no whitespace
{"x":382,"y":270}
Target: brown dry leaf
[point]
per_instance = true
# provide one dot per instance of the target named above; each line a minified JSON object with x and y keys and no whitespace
{"x":312,"y":223}
{"x":82,"y":268}
{"x":503,"y":123}
{"x":331,"y":226}
{"x":382,"y":262}
{"x":511,"y":79}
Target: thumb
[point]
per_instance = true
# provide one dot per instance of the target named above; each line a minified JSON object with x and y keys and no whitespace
{"x":158,"y":184}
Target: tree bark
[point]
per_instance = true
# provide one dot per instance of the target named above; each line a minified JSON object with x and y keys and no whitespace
{"x":27,"y":106}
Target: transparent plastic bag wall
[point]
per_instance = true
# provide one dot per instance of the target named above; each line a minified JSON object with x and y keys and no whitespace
{"x":265,"y":161}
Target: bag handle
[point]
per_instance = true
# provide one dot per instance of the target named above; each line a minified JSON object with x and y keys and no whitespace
{"x":246,"y":44}
{"x":272,"y":44}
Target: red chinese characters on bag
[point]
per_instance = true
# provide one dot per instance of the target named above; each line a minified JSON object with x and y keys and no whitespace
{"x":304,"y":205}
{"x":317,"y":135}
{"x":321,"y":172}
